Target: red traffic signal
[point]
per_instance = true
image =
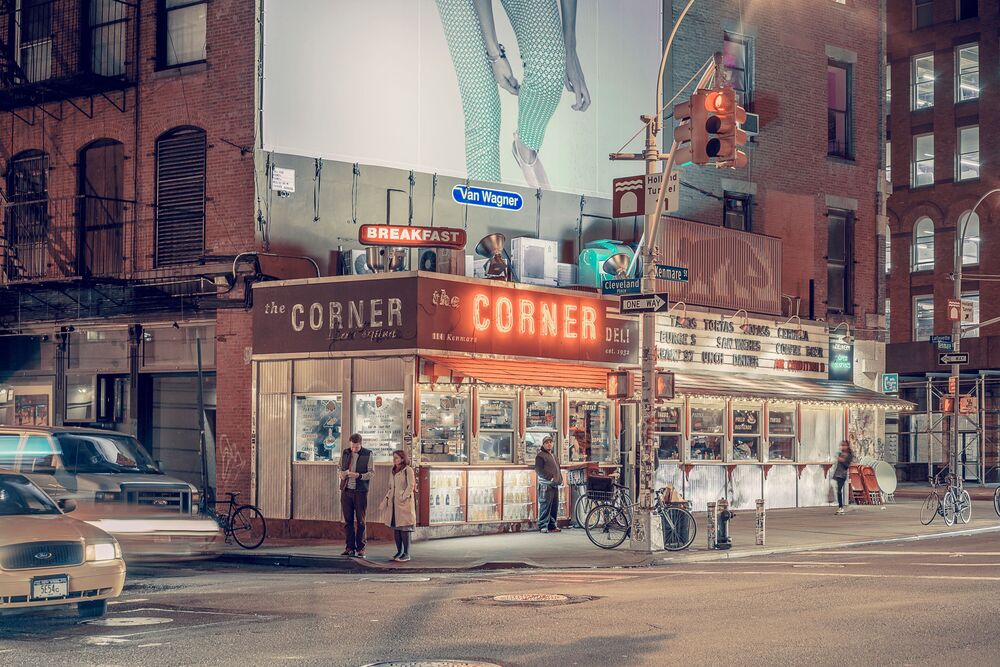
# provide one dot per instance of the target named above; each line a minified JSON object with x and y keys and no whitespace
{"x":724,"y":122}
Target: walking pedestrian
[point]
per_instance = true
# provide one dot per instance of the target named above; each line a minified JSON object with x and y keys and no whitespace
{"x":549,"y":479}
{"x":844,"y":460}
{"x":355,"y":473}
{"x":399,"y":506}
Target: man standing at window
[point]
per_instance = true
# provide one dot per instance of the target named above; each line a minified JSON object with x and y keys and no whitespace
{"x":355,"y":472}
{"x":549,"y":479}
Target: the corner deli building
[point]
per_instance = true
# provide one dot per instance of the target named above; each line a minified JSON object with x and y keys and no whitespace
{"x":468,"y":375}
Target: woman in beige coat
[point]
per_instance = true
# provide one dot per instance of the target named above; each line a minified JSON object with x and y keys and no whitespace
{"x":399,"y":505}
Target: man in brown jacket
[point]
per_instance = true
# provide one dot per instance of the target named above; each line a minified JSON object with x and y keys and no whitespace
{"x":549,"y":479}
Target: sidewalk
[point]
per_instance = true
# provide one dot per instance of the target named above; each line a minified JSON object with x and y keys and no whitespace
{"x":788,"y":530}
{"x":920,"y":491}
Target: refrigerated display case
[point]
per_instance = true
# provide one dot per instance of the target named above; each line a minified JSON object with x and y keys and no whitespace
{"x":519,"y":500}
{"x":484,"y":496}
{"x":446,"y":496}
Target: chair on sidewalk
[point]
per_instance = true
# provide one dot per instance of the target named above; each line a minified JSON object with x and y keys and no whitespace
{"x":858,"y":495}
{"x":870,"y":484}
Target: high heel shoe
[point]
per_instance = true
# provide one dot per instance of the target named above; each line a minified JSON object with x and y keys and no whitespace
{"x":534,"y":172}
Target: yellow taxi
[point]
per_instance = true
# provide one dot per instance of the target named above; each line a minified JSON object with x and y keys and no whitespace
{"x":48,"y":558}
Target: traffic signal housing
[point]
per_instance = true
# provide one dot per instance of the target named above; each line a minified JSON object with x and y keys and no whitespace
{"x":722,"y":128}
{"x":690,"y":134}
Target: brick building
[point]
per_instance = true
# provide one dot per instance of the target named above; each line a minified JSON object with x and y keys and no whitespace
{"x":128,"y":190}
{"x":943,"y":70}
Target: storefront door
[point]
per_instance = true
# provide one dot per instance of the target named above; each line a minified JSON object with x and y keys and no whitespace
{"x":969,"y":462}
{"x":170,"y":427}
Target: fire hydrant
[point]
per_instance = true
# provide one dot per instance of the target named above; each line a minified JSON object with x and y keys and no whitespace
{"x":725,"y":515}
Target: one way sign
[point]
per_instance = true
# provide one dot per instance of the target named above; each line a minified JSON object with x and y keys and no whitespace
{"x":644,"y":303}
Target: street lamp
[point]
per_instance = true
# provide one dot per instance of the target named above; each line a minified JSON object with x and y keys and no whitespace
{"x":956,"y":333}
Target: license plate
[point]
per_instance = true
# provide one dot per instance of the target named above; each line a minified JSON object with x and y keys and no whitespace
{"x":49,"y":587}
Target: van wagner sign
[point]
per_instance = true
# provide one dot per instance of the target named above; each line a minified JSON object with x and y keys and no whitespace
{"x":430,"y":313}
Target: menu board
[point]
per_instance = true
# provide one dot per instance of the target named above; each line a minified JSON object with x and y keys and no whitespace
{"x":746,"y":421}
{"x":781,"y":422}
{"x":590,"y":431}
{"x":540,"y":414}
{"x":706,"y":420}
{"x":380,"y":419}
{"x":667,"y":418}
{"x":317,"y":427}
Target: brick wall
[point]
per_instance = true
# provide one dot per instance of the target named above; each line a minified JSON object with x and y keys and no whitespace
{"x":233,"y":453}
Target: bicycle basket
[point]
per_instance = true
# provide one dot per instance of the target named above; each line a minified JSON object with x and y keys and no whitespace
{"x":601,"y":496}
{"x":599,"y":484}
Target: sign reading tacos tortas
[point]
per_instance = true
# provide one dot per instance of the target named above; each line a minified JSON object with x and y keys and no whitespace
{"x":473,"y":316}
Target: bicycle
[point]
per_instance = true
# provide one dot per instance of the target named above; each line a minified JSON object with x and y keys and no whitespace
{"x":618,"y":496}
{"x":607,"y":525}
{"x":955,"y":504}
{"x":243,"y":523}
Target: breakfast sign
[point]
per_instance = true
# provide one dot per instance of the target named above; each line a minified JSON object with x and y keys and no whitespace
{"x":415,"y":311}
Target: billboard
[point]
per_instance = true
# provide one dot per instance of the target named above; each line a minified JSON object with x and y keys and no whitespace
{"x":489,"y":91}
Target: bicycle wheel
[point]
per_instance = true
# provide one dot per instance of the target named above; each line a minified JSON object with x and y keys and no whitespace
{"x":607,"y":526}
{"x":249,"y":528}
{"x":679,"y":528}
{"x":581,"y":509}
{"x":965,"y":507}
{"x":931,"y":508}
{"x":948,"y":509}
{"x":996,"y":501}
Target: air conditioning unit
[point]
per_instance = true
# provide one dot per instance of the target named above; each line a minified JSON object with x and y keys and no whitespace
{"x":565,"y":274}
{"x":355,"y":263}
{"x":534,"y":260}
{"x":442,"y":260}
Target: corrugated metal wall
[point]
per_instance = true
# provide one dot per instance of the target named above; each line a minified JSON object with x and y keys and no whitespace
{"x":727,"y":268}
{"x":779,"y":487}
{"x":274,"y":452}
{"x":381,"y":374}
{"x":705,"y":484}
{"x":317,"y":376}
{"x":815,"y":488}
{"x":316,"y":492}
{"x":746,"y":487}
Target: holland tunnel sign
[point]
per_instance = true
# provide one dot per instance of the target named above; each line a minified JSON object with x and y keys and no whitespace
{"x":479,"y":317}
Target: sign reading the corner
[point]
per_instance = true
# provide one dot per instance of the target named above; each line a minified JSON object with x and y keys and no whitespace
{"x":473,"y":196}
{"x":425,"y":237}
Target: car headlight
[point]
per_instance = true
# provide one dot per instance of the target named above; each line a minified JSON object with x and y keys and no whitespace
{"x":195,"y":499}
{"x":104,"y":551}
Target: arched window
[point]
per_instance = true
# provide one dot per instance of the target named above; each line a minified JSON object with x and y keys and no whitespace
{"x":26,"y":220}
{"x":180,"y":196}
{"x":968,"y":228}
{"x":102,"y":207}
{"x":922,"y":257}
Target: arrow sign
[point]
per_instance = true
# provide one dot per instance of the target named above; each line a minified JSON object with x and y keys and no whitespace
{"x":949,"y":358}
{"x":645,"y":303}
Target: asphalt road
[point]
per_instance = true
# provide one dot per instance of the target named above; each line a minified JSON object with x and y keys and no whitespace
{"x":919,"y":603}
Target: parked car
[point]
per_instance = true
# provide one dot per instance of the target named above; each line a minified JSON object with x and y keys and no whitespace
{"x":48,"y":558}
{"x":117,"y":487}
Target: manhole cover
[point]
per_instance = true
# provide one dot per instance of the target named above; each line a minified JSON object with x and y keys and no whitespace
{"x":433,"y":663}
{"x":129,"y":621}
{"x":531,"y":597}
{"x":396,"y":580}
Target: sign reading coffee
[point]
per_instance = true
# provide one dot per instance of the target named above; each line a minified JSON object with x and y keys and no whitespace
{"x":459,"y":315}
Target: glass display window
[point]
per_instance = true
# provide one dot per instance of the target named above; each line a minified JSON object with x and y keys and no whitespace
{"x":541,"y":421}
{"x":496,"y":429}
{"x":708,"y":431}
{"x":781,"y":433}
{"x":748,"y":429}
{"x":668,"y":425}
{"x":484,"y":496}
{"x":589,"y":430}
{"x":443,"y":424}
{"x":380,"y":419}
{"x":446,"y":496}
{"x":518,"y":495}
{"x":317,"y":425}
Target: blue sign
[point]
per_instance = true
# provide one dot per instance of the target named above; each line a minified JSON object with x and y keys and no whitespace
{"x":890,"y":383}
{"x":678,"y":274}
{"x":473,"y":196}
{"x":841,"y":364}
{"x":622,"y":286}
{"x":944,"y":342}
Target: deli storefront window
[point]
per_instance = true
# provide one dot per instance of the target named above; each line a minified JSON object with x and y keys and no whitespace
{"x":496,"y":430}
{"x":781,"y":433}
{"x":541,"y":421}
{"x":379,"y":419}
{"x":708,"y":432}
{"x":667,"y":429}
{"x":443,"y":419}
{"x":589,"y":431}
{"x":317,"y":426}
{"x":747,"y":430}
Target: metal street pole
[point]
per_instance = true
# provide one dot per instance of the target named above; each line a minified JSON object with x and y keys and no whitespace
{"x":956,"y":334}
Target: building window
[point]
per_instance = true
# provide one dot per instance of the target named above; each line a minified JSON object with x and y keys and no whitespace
{"x":32,"y":28}
{"x":838,"y":110}
{"x":888,"y":86}
{"x":923,"y":317}
{"x":966,"y":9}
{"x":737,"y":208}
{"x":887,"y":314}
{"x":888,"y":162}
{"x":923,"y":160}
{"x":966,"y":72}
{"x":840,"y":260}
{"x":922,"y":82}
{"x":967,"y":164}
{"x":922,"y":258}
{"x":180,"y":196}
{"x":736,"y":59}
{"x":968,"y":224}
{"x":708,"y":431}
{"x":888,"y":250}
{"x":108,"y":24}
{"x":971,"y":332}
{"x":317,"y":428}
{"x":102,"y":208}
{"x":182,"y":28}
{"x":26,"y":216}
{"x":923,"y":13}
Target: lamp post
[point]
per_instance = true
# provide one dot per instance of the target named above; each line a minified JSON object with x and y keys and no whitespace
{"x":956,"y":334}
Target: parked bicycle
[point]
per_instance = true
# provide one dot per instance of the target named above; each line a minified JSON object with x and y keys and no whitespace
{"x":608,"y":525}
{"x":619,"y":496}
{"x":954,"y":504}
{"x":243,"y":523}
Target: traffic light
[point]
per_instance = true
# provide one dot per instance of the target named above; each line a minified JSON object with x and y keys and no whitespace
{"x":725,"y":116}
{"x":690,"y":131}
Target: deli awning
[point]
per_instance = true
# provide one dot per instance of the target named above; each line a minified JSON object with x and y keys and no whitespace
{"x":802,"y":390}
{"x":528,"y":373}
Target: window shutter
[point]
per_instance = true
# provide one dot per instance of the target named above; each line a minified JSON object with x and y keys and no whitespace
{"x":180,"y":197}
